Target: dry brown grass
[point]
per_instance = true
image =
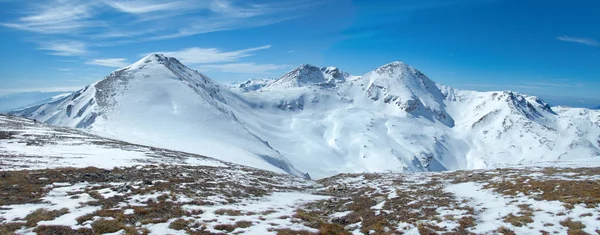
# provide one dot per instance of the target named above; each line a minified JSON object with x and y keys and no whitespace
{"x":310,"y":219}
{"x":505,"y":231}
{"x":130,"y":230}
{"x":424,"y":230}
{"x":180,"y":224}
{"x":156,"y":212}
{"x":570,"y":192}
{"x":243,"y":224}
{"x":575,"y":227}
{"x":113,"y":213}
{"x":414,"y":203}
{"x":225,"y":227}
{"x":466,"y":222}
{"x":43,"y":214}
{"x":518,"y":220}
{"x":102,"y":226}
{"x":293,"y":232}
{"x":350,"y":218}
{"x":10,"y":228}
{"x":28,"y":186}
{"x":268,"y":212}
{"x":61,"y":230}
{"x":586,"y":215}
{"x":332,"y":229}
{"x":314,"y":220}
{"x":229,"y":212}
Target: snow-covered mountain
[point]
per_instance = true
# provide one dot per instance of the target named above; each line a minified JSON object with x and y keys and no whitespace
{"x":323,"y":121}
{"x":158,"y":101}
{"x":308,"y":75}
{"x":252,"y":84}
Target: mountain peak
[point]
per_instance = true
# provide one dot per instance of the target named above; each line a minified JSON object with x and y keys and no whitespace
{"x":396,"y":63}
{"x":396,"y":67}
{"x":307,"y":75}
{"x":307,"y":66}
{"x":155,"y":58}
{"x":398,"y":70}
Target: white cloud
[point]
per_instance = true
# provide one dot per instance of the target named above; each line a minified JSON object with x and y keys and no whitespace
{"x":145,"y":6}
{"x":248,"y":68}
{"x":56,"y":17}
{"x":216,"y":24}
{"x":585,"y":41}
{"x":213,"y":59}
{"x":225,"y":7}
{"x":64,"y":48}
{"x":160,"y":19}
{"x":65,"y":69}
{"x":290,"y":51}
{"x":197,"y":55}
{"x":112,"y":62}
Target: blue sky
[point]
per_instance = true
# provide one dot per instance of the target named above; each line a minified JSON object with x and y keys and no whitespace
{"x":547,"y":48}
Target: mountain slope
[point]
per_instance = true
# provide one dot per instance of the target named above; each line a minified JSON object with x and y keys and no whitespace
{"x":324,"y":121}
{"x":25,"y":145}
{"x":20,"y":100}
{"x":157,"y":101}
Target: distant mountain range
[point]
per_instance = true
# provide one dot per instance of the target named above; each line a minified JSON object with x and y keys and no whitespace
{"x":324,"y":121}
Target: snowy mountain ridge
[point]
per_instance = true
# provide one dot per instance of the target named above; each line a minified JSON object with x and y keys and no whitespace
{"x":323,"y":121}
{"x":308,"y":75}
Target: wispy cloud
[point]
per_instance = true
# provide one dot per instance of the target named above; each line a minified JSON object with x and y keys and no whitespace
{"x":223,"y":23}
{"x":585,"y":41}
{"x":290,"y":51}
{"x":65,"y":61}
{"x":85,"y":21}
{"x":56,"y":17}
{"x":524,"y":86}
{"x":213,"y":59}
{"x":197,"y":55}
{"x":247,"y":68}
{"x":65,"y":69}
{"x":501,"y":86}
{"x":551,"y":84}
{"x":144,"y":6}
{"x":64,"y":48}
{"x":112,"y":62}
